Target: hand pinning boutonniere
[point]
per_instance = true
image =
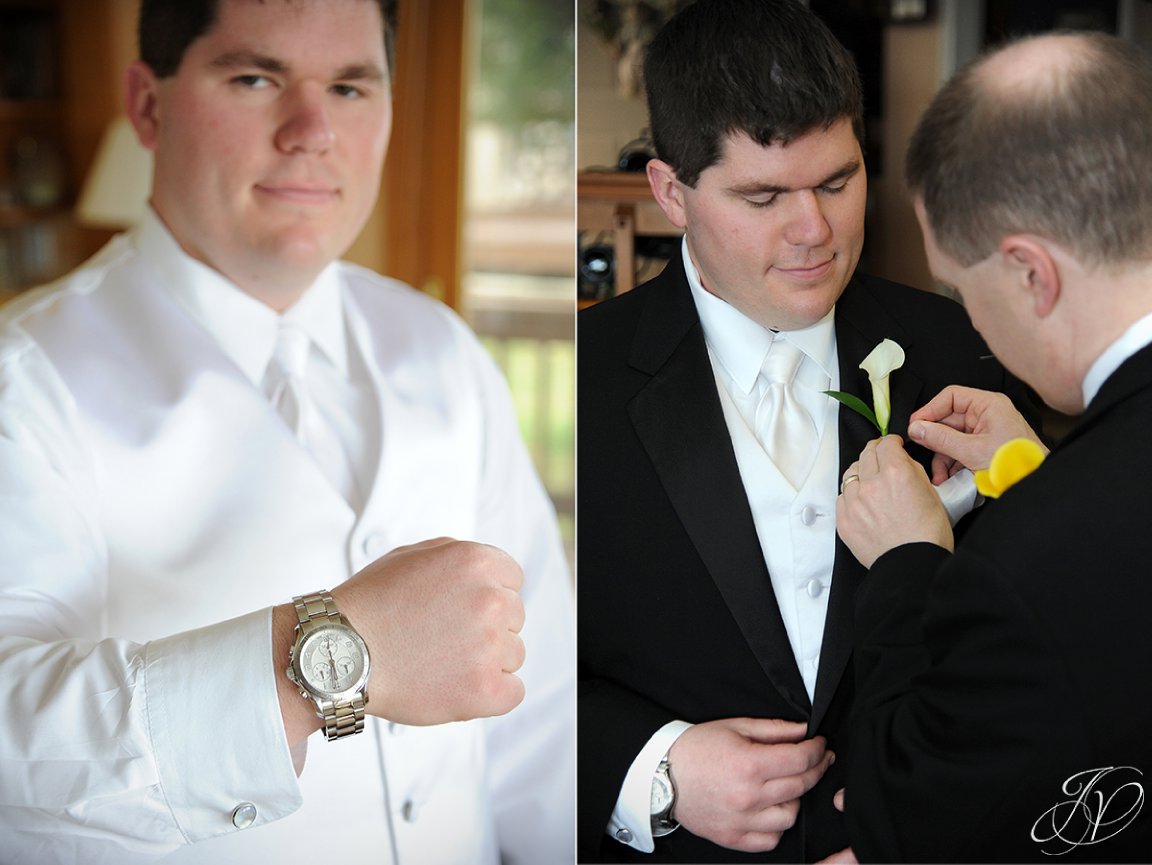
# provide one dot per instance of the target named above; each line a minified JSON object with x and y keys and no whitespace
{"x":1013,"y":461}
{"x":879,"y":364}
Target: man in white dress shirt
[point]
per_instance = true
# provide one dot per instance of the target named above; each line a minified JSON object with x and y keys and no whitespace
{"x":214,"y":415}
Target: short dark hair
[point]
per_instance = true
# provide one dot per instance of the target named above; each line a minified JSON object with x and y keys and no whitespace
{"x":167,"y":27}
{"x":1065,"y":153}
{"x":767,"y":68}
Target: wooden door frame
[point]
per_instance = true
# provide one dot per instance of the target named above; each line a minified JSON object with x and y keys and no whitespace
{"x":421,"y":198}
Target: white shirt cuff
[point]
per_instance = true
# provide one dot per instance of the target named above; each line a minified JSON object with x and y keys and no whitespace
{"x":216,"y":728}
{"x":958,"y":495}
{"x":631,"y":822}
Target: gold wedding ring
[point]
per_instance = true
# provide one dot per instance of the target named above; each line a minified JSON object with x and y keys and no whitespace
{"x":847,"y":481}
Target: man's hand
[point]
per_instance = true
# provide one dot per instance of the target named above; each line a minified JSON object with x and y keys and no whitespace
{"x":965,"y":426}
{"x":886,"y":501}
{"x":442,"y":620}
{"x":739,"y":780}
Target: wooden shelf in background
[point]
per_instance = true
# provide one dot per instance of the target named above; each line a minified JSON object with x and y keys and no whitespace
{"x":620,"y":202}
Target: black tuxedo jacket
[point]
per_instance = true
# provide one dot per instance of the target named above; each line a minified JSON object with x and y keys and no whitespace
{"x":677,"y":617}
{"x":1005,"y":692}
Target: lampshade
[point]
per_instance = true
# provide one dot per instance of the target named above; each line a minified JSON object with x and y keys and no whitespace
{"x":117,"y":187}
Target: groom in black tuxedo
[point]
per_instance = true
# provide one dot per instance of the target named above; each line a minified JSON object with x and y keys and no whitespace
{"x":715,"y":602}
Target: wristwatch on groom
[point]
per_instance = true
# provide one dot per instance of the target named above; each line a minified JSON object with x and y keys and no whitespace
{"x":663,"y":798}
{"x":329,"y":663}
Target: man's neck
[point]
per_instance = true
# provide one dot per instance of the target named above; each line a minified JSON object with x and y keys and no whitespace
{"x":277,"y":285}
{"x":1108,"y":304}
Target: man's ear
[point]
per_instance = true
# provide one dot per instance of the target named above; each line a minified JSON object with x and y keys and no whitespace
{"x":142,"y":102}
{"x":1035,"y":269}
{"x":667,"y":191}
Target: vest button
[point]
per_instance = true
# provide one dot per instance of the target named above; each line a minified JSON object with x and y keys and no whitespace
{"x":375,"y":545}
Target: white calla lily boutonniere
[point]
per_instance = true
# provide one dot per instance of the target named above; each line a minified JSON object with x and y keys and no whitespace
{"x":881,"y":362}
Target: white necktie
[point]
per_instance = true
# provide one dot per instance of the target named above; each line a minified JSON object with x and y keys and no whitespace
{"x":785,"y":429}
{"x":286,"y":385}
{"x":284,"y":381}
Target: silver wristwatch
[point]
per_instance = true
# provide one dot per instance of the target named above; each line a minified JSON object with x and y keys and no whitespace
{"x":329,"y":663}
{"x":663,"y":798}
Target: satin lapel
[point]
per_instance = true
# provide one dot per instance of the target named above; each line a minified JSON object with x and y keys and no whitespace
{"x":679,"y":420}
{"x":861,"y":323}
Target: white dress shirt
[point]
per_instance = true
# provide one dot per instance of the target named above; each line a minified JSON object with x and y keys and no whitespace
{"x":153,"y":505}
{"x":338,"y":382}
{"x":796,"y":526}
{"x":1137,"y":336}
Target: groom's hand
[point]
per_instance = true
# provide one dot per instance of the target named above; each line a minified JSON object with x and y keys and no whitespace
{"x":739,"y":780}
{"x":887,"y":501}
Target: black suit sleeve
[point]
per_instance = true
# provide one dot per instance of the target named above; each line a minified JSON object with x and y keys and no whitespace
{"x":959,"y":700}
{"x":607,"y":752}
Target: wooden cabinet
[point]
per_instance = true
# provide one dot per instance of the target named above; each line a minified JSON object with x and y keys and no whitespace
{"x":60,"y":67}
{"x":33,"y":175}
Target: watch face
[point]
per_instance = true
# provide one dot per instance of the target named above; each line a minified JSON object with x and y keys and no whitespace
{"x":661,"y":793}
{"x":333,"y":660}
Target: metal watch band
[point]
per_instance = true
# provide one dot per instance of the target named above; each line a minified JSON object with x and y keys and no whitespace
{"x":345,"y":718}
{"x":662,"y":823}
{"x":317,"y":605}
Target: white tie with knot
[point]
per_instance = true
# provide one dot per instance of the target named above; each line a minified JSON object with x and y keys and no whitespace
{"x":784,"y":427}
{"x":285,"y":384}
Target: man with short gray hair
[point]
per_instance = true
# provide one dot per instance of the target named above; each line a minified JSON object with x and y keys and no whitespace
{"x":1002,"y":709}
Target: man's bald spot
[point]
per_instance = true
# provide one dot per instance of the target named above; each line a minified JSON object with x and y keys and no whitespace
{"x":1036,"y":67}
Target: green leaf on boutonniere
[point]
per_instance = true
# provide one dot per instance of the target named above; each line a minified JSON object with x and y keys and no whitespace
{"x":857,"y":405}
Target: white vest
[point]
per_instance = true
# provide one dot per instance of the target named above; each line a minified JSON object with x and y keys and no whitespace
{"x":796,"y":529}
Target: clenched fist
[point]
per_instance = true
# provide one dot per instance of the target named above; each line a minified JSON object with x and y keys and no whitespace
{"x":442,"y":621}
